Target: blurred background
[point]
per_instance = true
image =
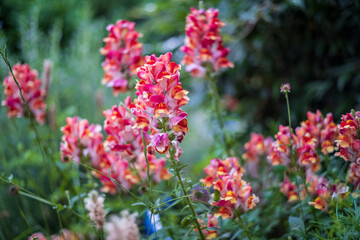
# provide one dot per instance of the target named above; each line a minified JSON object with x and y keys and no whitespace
{"x":312,"y":44}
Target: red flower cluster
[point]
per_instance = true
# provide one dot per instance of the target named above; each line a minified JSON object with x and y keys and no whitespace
{"x":157,"y":107}
{"x":203,"y":43}
{"x":280,"y":149}
{"x":121,"y":155}
{"x":289,"y":189}
{"x":125,"y":143}
{"x":325,"y":193}
{"x":348,"y":141}
{"x":257,"y":147}
{"x":122,"y":55}
{"x":81,"y":140}
{"x":354,"y":175}
{"x":218,"y":167}
{"x":317,"y":187}
{"x":234,"y":192}
{"x":315,"y":133}
{"x":30,"y":86}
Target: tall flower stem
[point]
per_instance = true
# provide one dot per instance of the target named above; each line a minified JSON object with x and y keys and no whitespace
{"x":177,"y":172}
{"x":216,"y":104}
{"x":294,"y":160}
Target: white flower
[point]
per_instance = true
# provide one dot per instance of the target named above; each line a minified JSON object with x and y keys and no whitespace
{"x":124,"y":227}
{"x":94,"y":203}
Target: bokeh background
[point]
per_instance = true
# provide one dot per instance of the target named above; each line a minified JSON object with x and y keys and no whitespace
{"x":312,"y":44}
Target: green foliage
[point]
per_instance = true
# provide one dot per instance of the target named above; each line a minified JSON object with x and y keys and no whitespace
{"x":314,"y":45}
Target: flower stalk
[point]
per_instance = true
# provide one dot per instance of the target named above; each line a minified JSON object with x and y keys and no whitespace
{"x":216,"y":104}
{"x":177,"y":173}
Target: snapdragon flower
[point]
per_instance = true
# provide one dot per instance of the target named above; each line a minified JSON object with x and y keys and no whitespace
{"x":314,"y":133}
{"x":81,"y":140}
{"x":122,"y":55}
{"x":348,"y":140}
{"x":128,"y":165}
{"x":218,"y":167}
{"x":157,"y":106}
{"x":232,"y":193}
{"x":203,"y":43}
{"x":31,"y":90}
{"x":257,"y":147}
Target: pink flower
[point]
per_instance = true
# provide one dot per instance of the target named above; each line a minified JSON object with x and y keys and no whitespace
{"x":285,"y":88}
{"x":32,"y":92}
{"x":315,"y":133}
{"x":354,"y":175}
{"x":122,"y":55}
{"x":157,"y":107}
{"x":203,"y":43}
{"x":218,"y":167}
{"x":125,"y":159}
{"x":234,"y":192}
{"x":348,"y":140}
{"x":37,"y":236}
{"x":289,"y":189}
{"x":81,"y":140}
{"x":280,"y":150}
{"x":256,"y":148}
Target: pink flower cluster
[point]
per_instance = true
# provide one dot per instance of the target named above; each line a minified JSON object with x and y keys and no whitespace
{"x":81,"y":140}
{"x":120,"y":155}
{"x":122,"y":55}
{"x":125,"y":143}
{"x":354,"y":175}
{"x":326,"y":192}
{"x":218,"y":167}
{"x":32,"y":92}
{"x":348,"y":140}
{"x":234,"y":192}
{"x":257,"y":147}
{"x":289,"y":189}
{"x":157,"y":107}
{"x":317,"y":187}
{"x":316,"y":133}
{"x":280,"y":149}
{"x":203,"y":43}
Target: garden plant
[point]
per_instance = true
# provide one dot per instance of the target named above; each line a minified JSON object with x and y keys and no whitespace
{"x":125,"y":137}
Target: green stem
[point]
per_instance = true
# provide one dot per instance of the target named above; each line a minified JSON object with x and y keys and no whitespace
{"x":216,"y":101}
{"x":187,"y":198}
{"x":147,"y":163}
{"x":301,"y":209}
{"x":6,"y":60}
{"x":101,"y":233}
{"x":294,"y":160}
{"x":308,"y":194}
{"x":241,"y":223}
